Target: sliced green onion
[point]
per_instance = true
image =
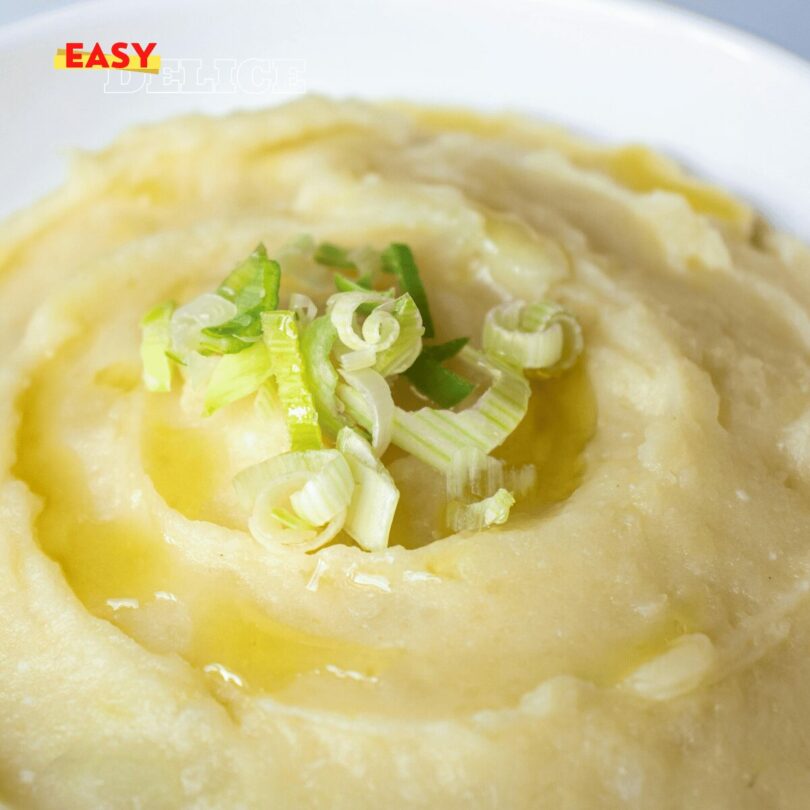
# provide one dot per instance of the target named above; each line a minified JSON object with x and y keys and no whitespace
{"x":408,"y":344}
{"x":322,"y":379}
{"x":379,"y":330}
{"x":155,"y":343}
{"x":445,"y":351}
{"x":437,"y":383}
{"x":293,"y":494}
{"x":363,"y":284}
{"x":434,"y":436}
{"x":269,"y":527}
{"x":236,"y":376}
{"x":187,"y":324}
{"x":343,"y":284}
{"x":287,"y":518}
{"x":253,"y":288}
{"x":326,"y":489}
{"x":273,"y":525}
{"x":374,"y":502}
{"x":473,"y":475}
{"x":333,"y":256}
{"x":304,"y":497}
{"x":326,"y":493}
{"x":253,"y":283}
{"x":365,"y":260}
{"x":398,"y":259}
{"x":354,"y":361}
{"x":434,"y":381}
{"x":540,"y":336}
{"x":280,"y":329}
{"x":490,"y":511}
{"x":304,"y":308}
{"x":481,"y":489}
{"x":377,"y":402}
{"x":252,"y":480}
{"x":233,"y":337}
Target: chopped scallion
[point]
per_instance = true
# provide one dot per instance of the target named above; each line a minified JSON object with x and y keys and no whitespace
{"x":236,"y":376}
{"x":398,"y":259}
{"x":287,"y":366}
{"x":490,"y":511}
{"x":317,"y":341}
{"x":445,"y":351}
{"x":375,"y":498}
{"x":540,"y":337}
{"x":332,"y":255}
{"x":437,"y":383}
{"x":253,"y":288}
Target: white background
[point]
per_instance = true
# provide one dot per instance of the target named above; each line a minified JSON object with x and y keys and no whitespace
{"x":784,"y":22}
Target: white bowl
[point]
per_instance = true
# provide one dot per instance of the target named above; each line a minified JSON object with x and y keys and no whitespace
{"x":732,"y":107}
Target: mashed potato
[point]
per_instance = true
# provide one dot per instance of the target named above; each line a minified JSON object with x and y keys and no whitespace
{"x":635,"y":636}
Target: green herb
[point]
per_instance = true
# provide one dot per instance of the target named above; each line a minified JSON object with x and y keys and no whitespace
{"x":398,"y":260}
{"x":253,"y":288}
{"x":437,"y":383}
{"x":433,"y":380}
{"x":334,"y":256}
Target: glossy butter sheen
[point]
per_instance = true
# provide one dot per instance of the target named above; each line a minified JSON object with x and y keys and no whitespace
{"x":636,"y":632}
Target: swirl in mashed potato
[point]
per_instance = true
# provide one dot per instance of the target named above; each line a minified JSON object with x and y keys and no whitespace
{"x":635,"y":635}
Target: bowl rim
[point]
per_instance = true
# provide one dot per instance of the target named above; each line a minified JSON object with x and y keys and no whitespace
{"x":690,"y":21}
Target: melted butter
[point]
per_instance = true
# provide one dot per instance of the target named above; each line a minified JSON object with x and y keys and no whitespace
{"x":186,"y":464}
{"x":560,"y":421}
{"x":192,"y":460}
{"x":123,"y":571}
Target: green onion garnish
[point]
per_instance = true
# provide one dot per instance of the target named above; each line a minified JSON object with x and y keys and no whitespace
{"x":287,"y":366}
{"x":473,"y":475}
{"x":363,"y":284}
{"x":375,"y":499}
{"x":433,"y":380}
{"x":333,"y":373}
{"x":343,"y":284}
{"x":398,"y":260}
{"x":253,"y":288}
{"x":437,"y":383}
{"x":304,"y":308}
{"x":490,"y":511}
{"x":540,"y":336}
{"x":434,"y":436}
{"x":189,"y":321}
{"x":378,"y":403}
{"x":406,"y":348}
{"x":297,"y":498}
{"x":253,"y":283}
{"x":445,"y":351}
{"x":322,"y":379}
{"x":334,"y":256}
{"x":236,"y":376}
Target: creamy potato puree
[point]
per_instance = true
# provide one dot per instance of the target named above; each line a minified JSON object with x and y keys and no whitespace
{"x":635,"y":636}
